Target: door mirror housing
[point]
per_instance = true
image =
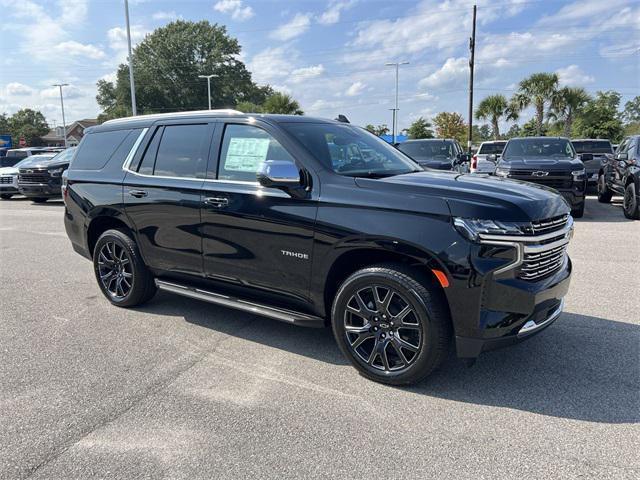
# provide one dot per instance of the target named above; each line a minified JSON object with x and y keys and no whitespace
{"x":586,"y":157}
{"x":622,"y":156}
{"x":464,"y":157}
{"x":279,"y":174}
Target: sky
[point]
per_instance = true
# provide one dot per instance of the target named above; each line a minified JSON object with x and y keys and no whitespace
{"x":330,"y":55}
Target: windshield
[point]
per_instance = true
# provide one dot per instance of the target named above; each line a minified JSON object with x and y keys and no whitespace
{"x":17,"y":154}
{"x":63,"y":156}
{"x":429,"y":150}
{"x":350,"y":150}
{"x":491,"y":148}
{"x":538,"y":147}
{"x":600,"y":146}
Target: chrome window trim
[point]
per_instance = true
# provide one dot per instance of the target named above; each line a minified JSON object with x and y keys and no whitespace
{"x":133,"y":151}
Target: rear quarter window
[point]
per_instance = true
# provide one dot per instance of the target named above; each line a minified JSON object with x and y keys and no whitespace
{"x":97,"y":149}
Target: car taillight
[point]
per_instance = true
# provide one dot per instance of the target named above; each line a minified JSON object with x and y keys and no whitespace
{"x":474,"y":162}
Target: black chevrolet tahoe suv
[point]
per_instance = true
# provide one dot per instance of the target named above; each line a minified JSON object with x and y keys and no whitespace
{"x":548,"y":161}
{"x":437,"y":153}
{"x":41,"y":180}
{"x":620,"y":175}
{"x":264,"y":213}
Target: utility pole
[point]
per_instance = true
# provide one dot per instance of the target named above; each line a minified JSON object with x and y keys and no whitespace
{"x":208,"y":77}
{"x":472,"y":48}
{"x":133,"y":85}
{"x":64,"y":122}
{"x":395,"y":110}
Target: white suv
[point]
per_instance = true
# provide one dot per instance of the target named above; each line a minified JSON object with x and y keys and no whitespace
{"x":480,"y":163}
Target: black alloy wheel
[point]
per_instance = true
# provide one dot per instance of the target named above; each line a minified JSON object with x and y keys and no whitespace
{"x":115,"y":270}
{"x":630,"y":204}
{"x":604,"y":194}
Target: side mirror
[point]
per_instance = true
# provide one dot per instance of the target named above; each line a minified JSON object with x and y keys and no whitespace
{"x":464,"y":157}
{"x":622,"y":156}
{"x":278,"y":174}
{"x":585,"y":157}
{"x":492,"y":157}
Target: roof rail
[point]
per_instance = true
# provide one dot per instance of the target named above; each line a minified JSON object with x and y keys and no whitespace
{"x":160,"y":116}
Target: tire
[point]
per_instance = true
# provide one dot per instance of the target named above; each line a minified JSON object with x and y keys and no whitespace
{"x":604,"y":194}
{"x":39,"y":199}
{"x":426,"y":328}
{"x":129,"y":282}
{"x":578,"y":212}
{"x":630,"y":207}
{"x":6,"y":196}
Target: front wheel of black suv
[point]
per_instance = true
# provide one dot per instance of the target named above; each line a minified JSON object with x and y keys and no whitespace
{"x":39,"y":199}
{"x":392,"y":327}
{"x":604,"y":194}
{"x":578,"y":212}
{"x":121,"y":274}
{"x":630,"y":206}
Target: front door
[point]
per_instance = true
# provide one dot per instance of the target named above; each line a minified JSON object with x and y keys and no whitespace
{"x":162,"y":194}
{"x":254,"y":236}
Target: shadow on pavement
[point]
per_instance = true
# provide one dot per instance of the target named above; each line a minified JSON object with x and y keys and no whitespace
{"x":582,"y":367}
{"x":595,"y":211}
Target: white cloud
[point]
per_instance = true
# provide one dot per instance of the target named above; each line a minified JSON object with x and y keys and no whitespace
{"x":453,"y":72}
{"x":162,"y":16}
{"x":271,"y":64}
{"x":335,"y":8}
{"x":299,"y":75}
{"x":77,"y":49}
{"x":355,"y":89}
{"x":573,"y":76}
{"x":235,"y":8}
{"x":117,"y":36}
{"x":69,"y":92}
{"x":293,"y":28}
{"x":18,"y":89}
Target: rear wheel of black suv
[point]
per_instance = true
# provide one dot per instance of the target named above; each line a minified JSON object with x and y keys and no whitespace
{"x":630,"y":206}
{"x":121,"y":274}
{"x":392,"y":328}
{"x":604,"y":194}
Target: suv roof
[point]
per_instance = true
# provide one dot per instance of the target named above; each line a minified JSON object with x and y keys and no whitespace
{"x":591,"y":140}
{"x":430,"y":140}
{"x":493,"y":141}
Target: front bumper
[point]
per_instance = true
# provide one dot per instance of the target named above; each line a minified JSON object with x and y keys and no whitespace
{"x":9,"y":184}
{"x":52,"y":189}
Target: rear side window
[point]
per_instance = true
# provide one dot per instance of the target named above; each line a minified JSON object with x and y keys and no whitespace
{"x":183,"y":151}
{"x":491,"y":148}
{"x":96,"y":149}
{"x":592,"y":146}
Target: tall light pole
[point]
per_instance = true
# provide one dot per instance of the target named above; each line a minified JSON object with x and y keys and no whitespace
{"x":133,"y":85}
{"x":472,"y":48}
{"x":208,"y":77}
{"x":395,"y":110}
{"x":64,"y":122}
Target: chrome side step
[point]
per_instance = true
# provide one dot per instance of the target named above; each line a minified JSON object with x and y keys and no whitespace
{"x":282,"y":314}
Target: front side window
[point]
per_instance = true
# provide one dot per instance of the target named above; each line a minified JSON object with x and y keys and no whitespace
{"x":491,"y":148}
{"x":538,"y":147}
{"x":350,"y":151}
{"x":244,"y":149}
{"x":430,"y":150}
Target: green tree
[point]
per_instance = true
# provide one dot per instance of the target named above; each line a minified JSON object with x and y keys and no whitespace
{"x":600,"y":119}
{"x":28,"y":124}
{"x":377,"y":130}
{"x":631,"y":112}
{"x":566,"y":103}
{"x":537,"y":90}
{"x":4,"y":124}
{"x":167,"y":64}
{"x":531,"y":129}
{"x":514,"y":131}
{"x":450,"y":125}
{"x":493,"y":108}
{"x":249,"y":107}
{"x":481,"y":133}
{"x":420,"y":128}
{"x":281,"y":103}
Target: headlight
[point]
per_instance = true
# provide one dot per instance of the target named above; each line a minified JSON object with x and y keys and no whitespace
{"x":472,"y":228}
{"x":502,"y":172}
{"x":579,"y":175}
{"x":56,"y":172}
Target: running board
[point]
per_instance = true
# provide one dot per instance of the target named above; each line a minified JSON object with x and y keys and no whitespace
{"x":282,"y":314}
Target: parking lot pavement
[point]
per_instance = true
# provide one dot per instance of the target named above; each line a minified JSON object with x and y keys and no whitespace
{"x":184,"y":389}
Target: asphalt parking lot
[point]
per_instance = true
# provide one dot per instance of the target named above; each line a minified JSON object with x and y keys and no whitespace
{"x":184,"y":389}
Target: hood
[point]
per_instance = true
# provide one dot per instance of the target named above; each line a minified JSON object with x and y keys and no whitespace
{"x":437,"y":164}
{"x":476,"y":196}
{"x":542,"y":163}
{"x":40,"y":163}
{"x":8,"y":171}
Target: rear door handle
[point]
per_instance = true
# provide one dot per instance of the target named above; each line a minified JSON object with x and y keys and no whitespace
{"x":218,"y":202}
{"x":138,"y":193}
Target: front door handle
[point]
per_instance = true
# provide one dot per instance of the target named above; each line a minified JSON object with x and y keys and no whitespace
{"x":218,"y":202}
{"x":138,"y":193}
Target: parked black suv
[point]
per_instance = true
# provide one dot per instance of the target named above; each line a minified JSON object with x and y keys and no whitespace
{"x":593,"y":153}
{"x":437,"y":153}
{"x":263,"y":214}
{"x":41,"y":180}
{"x":621,"y":175}
{"x":548,"y":161}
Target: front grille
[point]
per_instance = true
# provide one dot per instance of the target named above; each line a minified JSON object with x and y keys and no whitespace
{"x":6,"y":180}
{"x":541,"y":263}
{"x":549,"y":224}
{"x":557,"y":183}
{"x":557,"y":180}
{"x":31,"y":176}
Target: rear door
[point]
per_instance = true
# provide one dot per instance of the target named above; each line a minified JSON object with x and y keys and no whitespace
{"x":620,"y":165}
{"x":254,"y":236}
{"x":162,"y":195}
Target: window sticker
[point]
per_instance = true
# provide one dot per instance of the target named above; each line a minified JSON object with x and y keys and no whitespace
{"x":246,"y":154}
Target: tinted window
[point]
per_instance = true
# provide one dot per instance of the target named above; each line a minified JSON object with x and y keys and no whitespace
{"x":244,"y":149}
{"x":429,"y":150}
{"x":96,"y":149}
{"x":602,"y":146}
{"x":538,"y":147}
{"x":183,"y":151}
{"x":149,"y":158}
{"x":491,"y":148}
{"x":17,"y":154}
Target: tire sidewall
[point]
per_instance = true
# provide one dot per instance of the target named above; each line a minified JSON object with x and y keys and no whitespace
{"x":630,"y":208}
{"x":116,"y":236}
{"x":362,"y":280}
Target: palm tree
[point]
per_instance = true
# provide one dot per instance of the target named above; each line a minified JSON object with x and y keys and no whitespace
{"x":493,"y":108}
{"x":536,"y":90}
{"x":565,"y":104}
{"x":282,"y":103}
